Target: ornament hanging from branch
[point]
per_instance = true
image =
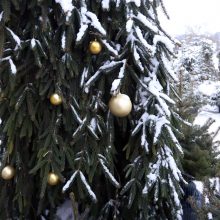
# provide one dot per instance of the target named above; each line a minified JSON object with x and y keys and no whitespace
{"x":8,"y":172}
{"x":52,"y":179}
{"x":95,"y":47}
{"x":55,"y":99}
{"x":120,"y":105}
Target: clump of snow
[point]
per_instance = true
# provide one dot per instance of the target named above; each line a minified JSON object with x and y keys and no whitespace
{"x":67,"y":7}
{"x":199,"y":186}
{"x":115,"y":85}
{"x":209,"y":88}
{"x":1,"y":15}
{"x":129,"y":25}
{"x":13,"y":67}
{"x":63,"y":41}
{"x":210,"y":216}
{"x":105,"y":4}
{"x":33,"y":43}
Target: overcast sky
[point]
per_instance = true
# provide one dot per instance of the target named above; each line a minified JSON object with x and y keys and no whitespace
{"x":183,"y":13}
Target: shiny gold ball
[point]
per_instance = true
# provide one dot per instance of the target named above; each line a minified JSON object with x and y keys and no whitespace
{"x":8,"y":172}
{"x":95,"y":47}
{"x":120,"y":105}
{"x":52,"y":179}
{"x":55,"y":99}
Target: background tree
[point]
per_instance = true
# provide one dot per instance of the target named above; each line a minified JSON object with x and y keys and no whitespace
{"x":200,"y":159}
{"x":61,"y":62}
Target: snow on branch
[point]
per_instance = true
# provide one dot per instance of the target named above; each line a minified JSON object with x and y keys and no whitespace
{"x":69,"y":182}
{"x":11,"y":63}
{"x":155,"y":88}
{"x":33,"y":43}
{"x":88,"y":18}
{"x":174,"y":139}
{"x":144,"y":142}
{"x":63,"y":40}
{"x":84,"y":76}
{"x":170,"y":163}
{"x":143,"y":19}
{"x":81,"y":32}
{"x":164,"y":106}
{"x":76,"y":115}
{"x":13,"y":67}
{"x":152,"y":177}
{"x":167,"y":98}
{"x":106,"y":4}
{"x":117,"y":82}
{"x":149,"y":48}
{"x":108,"y":174}
{"x":164,"y":160}
{"x":164,"y":40}
{"x":67,"y":7}
{"x":159,"y":123}
{"x":110,"y":48}
{"x":129,"y":25}
{"x":115,"y":86}
{"x":88,"y":188}
{"x":95,"y":22}
{"x":168,"y":67}
{"x":137,"y":59}
{"x":1,"y":15}
{"x":106,"y":67}
{"x":15,"y":37}
{"x":174,"y":193}
{"x":83,"y":24}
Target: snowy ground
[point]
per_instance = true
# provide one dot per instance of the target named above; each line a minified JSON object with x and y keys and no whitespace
{"x":208,"y":89}
{"x":203,"y":116}
{"x":207,"y":112}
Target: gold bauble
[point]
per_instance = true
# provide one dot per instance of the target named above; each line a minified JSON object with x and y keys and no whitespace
{"x":55,"y":99}
{"x":8,"y":172}
{"x":95,"y":47}
{"x":52,"y":179}
{"x":120,"y":105}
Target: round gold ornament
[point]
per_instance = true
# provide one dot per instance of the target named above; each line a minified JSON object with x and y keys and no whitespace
{"x":95,"y":47}
{"x":8,"y":172}
{"x":52,"y":179}
{"x":55,"y":99}
{"x":120,"y":105}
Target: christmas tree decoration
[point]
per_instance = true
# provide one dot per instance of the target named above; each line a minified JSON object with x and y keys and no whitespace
{"x":55,"y":99}
{"x":52,"y":179}
{"x":135,"y":157}
{"x":120,"y":105}
{"x":8,"y":172}
{"x":95,"y":47}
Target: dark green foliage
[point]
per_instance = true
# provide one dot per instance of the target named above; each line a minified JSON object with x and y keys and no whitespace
{"x":199,"y":157}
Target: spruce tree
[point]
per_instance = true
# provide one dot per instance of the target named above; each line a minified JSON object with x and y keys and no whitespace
{"x":60,"y":64}
{"x":200,"y":159}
